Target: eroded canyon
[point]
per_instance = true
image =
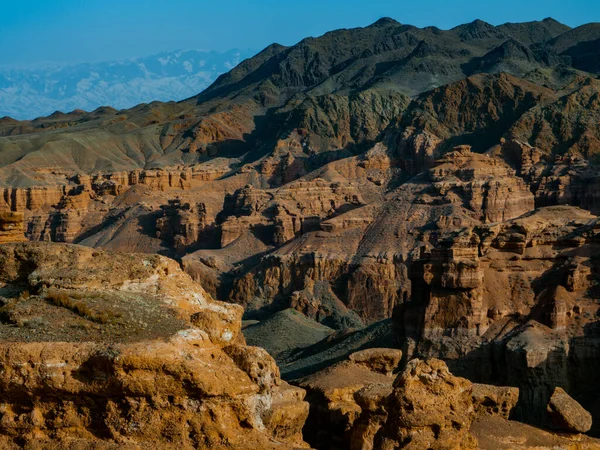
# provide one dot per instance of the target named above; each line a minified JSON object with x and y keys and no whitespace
{"x":398,"y":221}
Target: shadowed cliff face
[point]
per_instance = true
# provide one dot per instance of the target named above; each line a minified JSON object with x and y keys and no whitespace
{"x":513,"y":303}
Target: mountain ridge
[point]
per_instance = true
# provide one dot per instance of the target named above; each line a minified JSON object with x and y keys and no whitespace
{"x":434,"y":191}
{"x":31,"y":92}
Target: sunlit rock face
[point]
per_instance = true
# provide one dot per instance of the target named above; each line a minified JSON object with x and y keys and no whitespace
{"x":117,"y":350}
{"x":423,"y":405}
{"x":11,"y":227}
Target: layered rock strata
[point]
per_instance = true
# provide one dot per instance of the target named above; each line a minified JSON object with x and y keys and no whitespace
{"x":11,"y":227}
{"x":365,"y":263}
{"x":111,"y":350}
{"x":287,"y":212}
{"x":424,"y":406}
{"x":513,"y":303}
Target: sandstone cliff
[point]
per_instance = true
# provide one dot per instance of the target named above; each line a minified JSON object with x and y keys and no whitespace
{"x":513,"y":303}
{"x":110,"y":350}
{"x":365,"y":261}
{"x":378,"y":172}
{"x":11,"y":227}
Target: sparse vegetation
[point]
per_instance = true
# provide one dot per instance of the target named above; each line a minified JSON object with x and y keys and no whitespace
{"x":32,"y":323}
{"x":77,"y":304}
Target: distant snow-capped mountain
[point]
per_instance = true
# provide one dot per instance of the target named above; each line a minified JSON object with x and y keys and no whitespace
{"x":29,"y":92}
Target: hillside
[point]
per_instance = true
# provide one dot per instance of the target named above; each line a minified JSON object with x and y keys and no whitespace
{"x":430,"y":190}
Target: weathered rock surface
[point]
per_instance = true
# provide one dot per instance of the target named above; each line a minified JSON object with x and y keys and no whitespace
{"x":513,"y":303}
{"x":424,"y":407}
{"x":11,"y":227}
{"x":363,"y":265}
{"x":494,"y":400}
{"x":428,"y":408}
{"x":287,"y":212}
{"x":111,"y":350}
{"x":326,"y":187}
{"x":487,"y":186}
{"x":380,"y":360}
{"x":566,"y":414}
{"x":183,"y":225}
{"x":334,"y":409}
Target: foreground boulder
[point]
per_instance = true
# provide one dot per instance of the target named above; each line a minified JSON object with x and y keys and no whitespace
{"x":568,"y":415}
{"x":101,"y":350}
{"x":425,"y":407}
{"x":354,"y":405}
{"x":333,"y":406}
{"x":429,"y":408}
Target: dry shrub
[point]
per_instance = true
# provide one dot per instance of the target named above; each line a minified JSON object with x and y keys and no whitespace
{"x":74,"y":304}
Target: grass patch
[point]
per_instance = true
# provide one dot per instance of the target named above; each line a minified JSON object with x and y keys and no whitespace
{"x":79,"y":306}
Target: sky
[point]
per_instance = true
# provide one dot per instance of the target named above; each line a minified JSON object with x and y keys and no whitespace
{"x":67,"y":31}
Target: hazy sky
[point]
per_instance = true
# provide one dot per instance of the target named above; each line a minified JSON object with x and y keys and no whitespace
{"x":91,"y":30}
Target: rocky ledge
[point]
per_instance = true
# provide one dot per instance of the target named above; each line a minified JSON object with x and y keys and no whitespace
{"x":360,"y":405}
{"x":11,"y":227}
{"x":102,"y":350}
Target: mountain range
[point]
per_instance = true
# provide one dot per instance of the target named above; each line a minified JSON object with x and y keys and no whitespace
{"x":30,"y":92}
{"x":435,"y":192}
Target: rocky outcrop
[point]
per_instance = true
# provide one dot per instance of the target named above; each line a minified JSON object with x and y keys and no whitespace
{"x":487,"y":186}
{"x":140,"y":357}
{"x":338,"y":121}
{"x":506,"y":303}
{"x":34,"y":198}
{"x":558,"y":179}
{"x":416,"y":150}
{"x":380,"y":360}
{"x":569,"y":180}
{"x":11,"y":227}
{"x":332,"y":392}
{"x":466,"y":266}
{"x":76,"y":204}
{"x":182,"y":225}
{"x":475,"y":111}
{"x":425,"y":406}
{"x":450,"y":274}
{"x":285,"y":213}
{"x":428,"y":408}
{"x":494,"y":400}
{"x":274,"y":282}
{"x":567,"y":126}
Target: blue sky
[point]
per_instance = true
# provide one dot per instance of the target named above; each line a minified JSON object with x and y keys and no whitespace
{"x":33,"y":31}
